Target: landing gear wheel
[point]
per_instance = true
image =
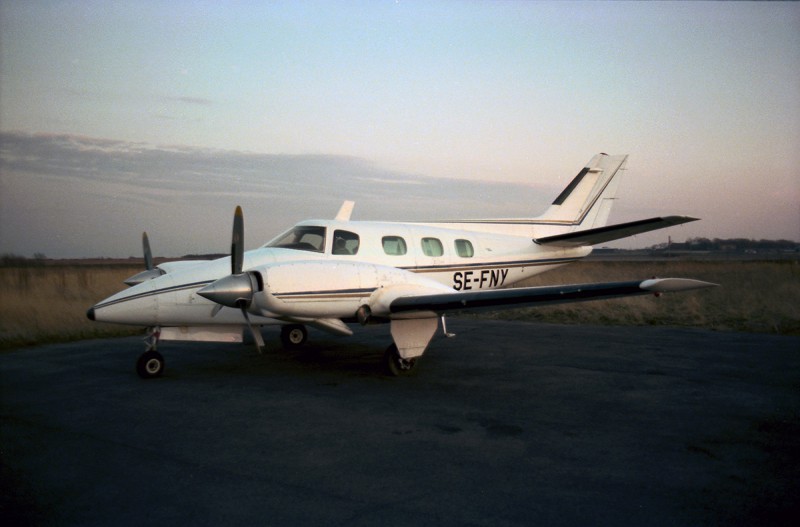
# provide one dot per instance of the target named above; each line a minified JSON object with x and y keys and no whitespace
{"x":395,"y":365}
{"x":150,"y":365}
{"x":293,"y":336}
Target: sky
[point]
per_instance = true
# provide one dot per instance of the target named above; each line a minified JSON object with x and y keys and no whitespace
{"x":118,"y":117}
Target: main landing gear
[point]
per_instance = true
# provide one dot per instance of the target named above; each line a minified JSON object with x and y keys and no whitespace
{"x":293,"y":336}
{"x":395,"y":365}
{"x":151,"y":362}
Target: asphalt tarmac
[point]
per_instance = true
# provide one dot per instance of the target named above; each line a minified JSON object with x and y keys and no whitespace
{"x":509,"y":423}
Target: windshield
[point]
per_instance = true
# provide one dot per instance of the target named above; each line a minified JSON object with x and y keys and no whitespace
{"x":302,"y":239}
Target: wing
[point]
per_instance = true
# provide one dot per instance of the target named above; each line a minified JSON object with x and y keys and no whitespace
{"x":611,"y":232}
{"x":508,"y":298}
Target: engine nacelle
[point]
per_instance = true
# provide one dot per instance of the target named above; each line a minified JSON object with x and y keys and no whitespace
{"x":306,"y":289}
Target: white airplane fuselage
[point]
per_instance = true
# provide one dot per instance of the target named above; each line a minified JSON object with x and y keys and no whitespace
{"x":302,"y":281}
{"x":328,"y":273}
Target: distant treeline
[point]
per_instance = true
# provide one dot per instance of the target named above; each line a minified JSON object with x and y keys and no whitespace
{"x":39,"y":259}
{"x":15,"y":260}
{"x":708,"y":245}
{"x":742,"y":245}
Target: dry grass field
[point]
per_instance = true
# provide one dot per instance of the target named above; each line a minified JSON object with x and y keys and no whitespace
{"x":44,"y":304}
{"x":49,"y":303}
{"x":755,"y":296}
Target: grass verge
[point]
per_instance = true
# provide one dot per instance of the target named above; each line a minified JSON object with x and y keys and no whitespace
{"x":48,"y":304}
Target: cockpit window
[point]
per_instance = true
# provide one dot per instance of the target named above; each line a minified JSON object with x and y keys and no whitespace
{"x":301,"y":238}
{"x":345,"y":242}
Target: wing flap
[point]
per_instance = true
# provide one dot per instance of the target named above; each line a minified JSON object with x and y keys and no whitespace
{"x":331,"y":325}
{"x":509,"y":298}
{"x":612,"y":232}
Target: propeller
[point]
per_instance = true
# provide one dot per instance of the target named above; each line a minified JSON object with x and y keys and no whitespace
{"x":237,"y":241}
{"x":148,"y":254}
{"x":235,"y":290}
{"x":150,"y":271}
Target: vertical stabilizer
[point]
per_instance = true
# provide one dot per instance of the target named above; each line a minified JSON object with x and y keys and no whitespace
{"x":587,"y":200}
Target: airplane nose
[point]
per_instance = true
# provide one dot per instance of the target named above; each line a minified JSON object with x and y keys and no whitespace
{"x":137,"y":305}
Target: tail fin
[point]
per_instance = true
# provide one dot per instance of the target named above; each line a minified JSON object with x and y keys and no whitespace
{"x":587,"y":200}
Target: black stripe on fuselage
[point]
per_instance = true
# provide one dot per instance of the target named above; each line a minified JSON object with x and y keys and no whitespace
{"x":145,"y":294}
{"x":355,"y":292}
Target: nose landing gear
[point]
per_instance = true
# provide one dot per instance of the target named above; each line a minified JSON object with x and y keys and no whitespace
{"x":151,"y":362}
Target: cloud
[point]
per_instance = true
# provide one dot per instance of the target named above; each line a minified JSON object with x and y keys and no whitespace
{"x":192,"y":100}
{"x":70,"y":195}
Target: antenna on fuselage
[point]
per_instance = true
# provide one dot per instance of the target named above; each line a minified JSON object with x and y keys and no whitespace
{"x":345,"y":211}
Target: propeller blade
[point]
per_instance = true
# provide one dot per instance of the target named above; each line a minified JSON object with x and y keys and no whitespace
{"x":148,"y":255}
{"x":236,"y":289}
{"x":237,"y":242}
{"x":150,"y":271}
{"x":259,"y":340}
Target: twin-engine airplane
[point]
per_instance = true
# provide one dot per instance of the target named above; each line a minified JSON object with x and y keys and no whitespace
{"x":328,"y":273}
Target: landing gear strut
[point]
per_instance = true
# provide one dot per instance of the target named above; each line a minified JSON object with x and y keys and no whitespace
{"x":151,"y":362}
{"x":396,"y":365}
{"x":293,"y":336}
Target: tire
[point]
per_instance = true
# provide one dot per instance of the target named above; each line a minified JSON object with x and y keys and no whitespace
{"x":293,"y":336}
{"x":395,"y":365}
{"x":150,"y":365}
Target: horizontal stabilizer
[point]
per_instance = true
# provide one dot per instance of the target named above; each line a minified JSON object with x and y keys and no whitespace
{"x":611,"y":232}
{"x":557,"y":294}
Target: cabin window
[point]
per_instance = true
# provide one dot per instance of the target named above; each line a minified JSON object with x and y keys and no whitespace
{"x":345,"y":242}
{"x":394,"y":245}
{"x":464,"y":249}
{"x":301,"y":238}
{"x":432,"y":247}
